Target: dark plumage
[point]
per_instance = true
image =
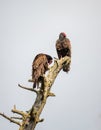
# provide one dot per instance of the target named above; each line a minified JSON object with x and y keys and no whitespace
{"x":63,"y":48}
{"x":39,"y":67}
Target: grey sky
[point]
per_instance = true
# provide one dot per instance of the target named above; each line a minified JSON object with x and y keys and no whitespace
{"x":28,"y":27}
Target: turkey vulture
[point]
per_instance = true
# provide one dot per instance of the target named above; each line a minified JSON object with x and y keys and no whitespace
{"x":39,"y":67}
{"x":63,"y":48}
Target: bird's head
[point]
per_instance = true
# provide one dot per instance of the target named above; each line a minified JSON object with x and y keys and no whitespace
{"x":62,"y":36}
{"x":49,"y":58}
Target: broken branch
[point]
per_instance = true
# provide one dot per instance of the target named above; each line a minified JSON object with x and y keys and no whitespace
{"x":10,"y":119}
{"x":30,"y":89}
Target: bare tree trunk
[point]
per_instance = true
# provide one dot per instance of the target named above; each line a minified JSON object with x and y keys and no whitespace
{"x":29,"y":119}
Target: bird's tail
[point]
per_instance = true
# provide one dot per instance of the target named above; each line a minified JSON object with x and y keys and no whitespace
{"x":66,"y":68}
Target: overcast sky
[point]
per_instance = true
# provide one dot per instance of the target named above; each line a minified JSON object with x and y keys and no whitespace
{"x":29,"y":27}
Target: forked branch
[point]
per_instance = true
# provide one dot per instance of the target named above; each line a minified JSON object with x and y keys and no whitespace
{"x":10,"y":119}
{"x":31,"y":117}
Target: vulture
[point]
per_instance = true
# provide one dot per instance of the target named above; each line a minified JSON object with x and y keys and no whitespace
{"x":63,"y":48}
{"x":39,"y":67}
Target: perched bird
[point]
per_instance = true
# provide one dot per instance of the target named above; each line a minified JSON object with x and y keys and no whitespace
{"x":39,"y":67}
{"x":63,"y":48}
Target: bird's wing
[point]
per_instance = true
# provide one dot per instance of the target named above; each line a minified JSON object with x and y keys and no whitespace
{"x":58,"y":45}
{"x":38,"y":60}
{"x":67,"y":44}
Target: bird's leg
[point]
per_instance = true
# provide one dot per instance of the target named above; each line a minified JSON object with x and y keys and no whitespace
{"x":41,"y":80}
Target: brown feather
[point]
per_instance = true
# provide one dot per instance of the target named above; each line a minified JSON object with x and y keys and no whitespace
{"x":39,"y":67}
{"x":63,"y":48}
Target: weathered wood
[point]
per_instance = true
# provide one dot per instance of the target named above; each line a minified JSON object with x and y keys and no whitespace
{"x":32,"y":117}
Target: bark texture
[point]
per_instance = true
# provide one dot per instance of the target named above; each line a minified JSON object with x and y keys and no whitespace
{"x":29,"y":119}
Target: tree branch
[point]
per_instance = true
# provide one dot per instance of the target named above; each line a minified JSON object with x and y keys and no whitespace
{"x":30,"y":89}
{"x":19,"y":118}
{"x":32,"y":117}
{"x":14,"y":110}
{"x":10,"y":119}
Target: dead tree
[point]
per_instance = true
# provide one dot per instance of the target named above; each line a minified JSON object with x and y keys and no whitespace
{"x":29,"y":119}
